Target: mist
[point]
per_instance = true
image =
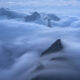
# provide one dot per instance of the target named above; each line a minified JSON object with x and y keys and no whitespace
{"x":22,"y":42}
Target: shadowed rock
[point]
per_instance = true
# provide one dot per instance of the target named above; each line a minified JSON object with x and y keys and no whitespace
{"x":39,"y":67}
{"x":53,"y":17}
{"x":33,"y":17}
{"x":9,"y":14}
{"x":59,"y":59}
{"x":55,"y":47}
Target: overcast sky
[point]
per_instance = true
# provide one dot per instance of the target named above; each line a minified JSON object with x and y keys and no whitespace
{"x":69,"y":6}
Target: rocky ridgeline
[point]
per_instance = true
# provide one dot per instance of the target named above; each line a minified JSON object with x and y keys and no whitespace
{"x":51,"y":67}
{"x":55,"y":47}
{"x":39,"y":18}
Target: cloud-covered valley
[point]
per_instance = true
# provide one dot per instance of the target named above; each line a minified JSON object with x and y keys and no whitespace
{"x":25,"y":37}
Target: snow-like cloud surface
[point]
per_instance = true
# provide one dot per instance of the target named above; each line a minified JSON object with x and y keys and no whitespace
{"x":47,"y":2}
{"x":21,"y":43}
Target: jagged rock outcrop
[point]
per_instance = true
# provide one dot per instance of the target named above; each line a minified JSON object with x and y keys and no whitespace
{"x":9,"y":14}
{"x":53,"y":17}
{"x":50,"y":18}
{"x":35,"y":16}
{"x":55,"y":47}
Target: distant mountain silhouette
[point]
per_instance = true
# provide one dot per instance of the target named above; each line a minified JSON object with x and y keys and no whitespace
{"x":53,"y":17}
{"x":9,"y":14}
{"x":39,"y":18}
{"x":33,"y":17}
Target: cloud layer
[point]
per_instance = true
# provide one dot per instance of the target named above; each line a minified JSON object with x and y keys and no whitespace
{"x":43,"y":5}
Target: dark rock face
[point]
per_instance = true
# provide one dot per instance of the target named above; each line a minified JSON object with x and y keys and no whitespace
{"x":53,"y":17}
{"x":7,"y":13}
{"x":33,"y":17}
{"x":55,"y":47}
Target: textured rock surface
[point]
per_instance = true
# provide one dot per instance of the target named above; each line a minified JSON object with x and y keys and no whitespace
{"x":33,"y":17}
{"x":55,"y":47}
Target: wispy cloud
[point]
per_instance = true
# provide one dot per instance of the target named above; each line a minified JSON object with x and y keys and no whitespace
{"x":42,"y":2}
{"x":46,"y":2}
{"x":43,"y":5}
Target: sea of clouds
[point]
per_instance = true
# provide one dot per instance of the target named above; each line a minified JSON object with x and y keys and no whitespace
{"x":21,"y":44}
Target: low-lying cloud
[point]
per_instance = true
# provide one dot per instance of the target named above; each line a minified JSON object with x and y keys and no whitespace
{"x":21,"y":44}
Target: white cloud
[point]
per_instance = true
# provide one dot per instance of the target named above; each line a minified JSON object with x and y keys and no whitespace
{"x":36,"y":39}
{"x":47,"y":2}
{"x":43,"y":3}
